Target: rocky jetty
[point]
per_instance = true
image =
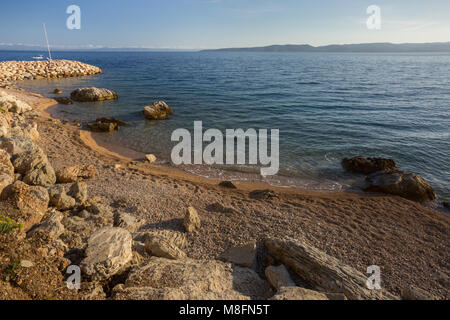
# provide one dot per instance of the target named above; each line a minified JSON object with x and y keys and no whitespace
{"x":12,"y":71}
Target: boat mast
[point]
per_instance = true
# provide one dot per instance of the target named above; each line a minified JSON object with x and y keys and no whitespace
{"x":48,"y":46}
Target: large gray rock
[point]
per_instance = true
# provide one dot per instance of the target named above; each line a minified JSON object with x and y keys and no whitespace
{"x":59,"y":198}
{"x":93,"y":94}
{"x":162,"y":247}
{"x":404,"y":184}
{"x":51,"y":226}
{"x":178,"y":239}
{"x":189,"y":279}
{"x":108,"y":252}
{"x":79,"y":192}
{"x":321,"y":271}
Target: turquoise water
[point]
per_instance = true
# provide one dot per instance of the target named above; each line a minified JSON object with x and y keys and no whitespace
{"x":326,"y":106}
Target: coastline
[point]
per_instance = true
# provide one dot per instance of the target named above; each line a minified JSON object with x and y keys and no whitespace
{"x":358,"y":229}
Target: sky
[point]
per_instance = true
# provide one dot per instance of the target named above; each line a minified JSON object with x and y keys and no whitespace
{"x":207,"y":24}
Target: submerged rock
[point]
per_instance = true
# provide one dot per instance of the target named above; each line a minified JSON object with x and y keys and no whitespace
{"x":158,"y":111}
{"x":93,"y":94}
{"x":64,"y":100}
{"x":402,"y":183}
{"x":57,"y":91}
{"x":368,"y":165}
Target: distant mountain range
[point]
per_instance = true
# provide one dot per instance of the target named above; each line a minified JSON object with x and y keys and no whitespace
{"x":363,"y":47}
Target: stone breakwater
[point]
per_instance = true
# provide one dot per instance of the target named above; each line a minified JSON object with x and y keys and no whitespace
{"x":12,"y":71}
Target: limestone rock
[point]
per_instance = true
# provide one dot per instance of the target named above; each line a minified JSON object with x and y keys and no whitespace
{"x":31,"y":201}
{"x":322,"y":271}
{"x":158,"y":111}
{"x":279,"y":277}
{"x":404,"y":184}
{"x":126,"y":221}
{"x":75,"y":174}
{"x":178,"y":239}
{"x":298,"y":294}
{"x":60,"y":199}
{"x":151,"y":158}
{"x":51,"y":226}
{"x":79,"y":192}
{"x":161,"y":247}
{"x":189,"y":279}
{"x":243,"y":256}
{"x":368,"y":165}
{"x":93,"y":94}
{"x":108,"y":251}
{"x":191,"y":220}
{"x":6,"y":170}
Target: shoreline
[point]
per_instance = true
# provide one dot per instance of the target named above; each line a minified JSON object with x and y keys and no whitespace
{"x":409,"y":241}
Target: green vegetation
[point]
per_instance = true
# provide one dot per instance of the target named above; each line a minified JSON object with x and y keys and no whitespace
{"x":7,"y":225}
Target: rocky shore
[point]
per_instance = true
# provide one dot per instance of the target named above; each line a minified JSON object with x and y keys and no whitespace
{"x":139,"y":231}
{"x":12,"y":71}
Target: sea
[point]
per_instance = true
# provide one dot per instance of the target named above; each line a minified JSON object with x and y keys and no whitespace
{"x":326,"y":106}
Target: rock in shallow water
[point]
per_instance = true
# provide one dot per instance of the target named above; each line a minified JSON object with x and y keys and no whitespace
{"x":93,"y":94}
{"x":368,"y":165}
{"x":158,"y":111}
{"x":402,"y":183}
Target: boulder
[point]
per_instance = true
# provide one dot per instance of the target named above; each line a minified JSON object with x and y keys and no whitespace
{"x":116,"y":121}
{"x":51,"y":226}
{"x":299,"y":294}
{"x":178,"y":239}
{"x":4,"y":125}
{"x":42,"y":175}
{"x":243,"y":256}
{"x":191,"y":220}
{"x":321,"y":271}
{"x":59,"y":198}
{"x":64,"y":100}
{"x":279,"y":277}
{"x":12,"y":104}
{"x":93,"y":94}
{"x":401,"y":183}
{"x":151,"y":158}
{"x":157,"y":111}
{"x":75,"y":174}
{"x":31,"y":202}
{"x":368,"y":165}
{"x":6,"y":170}
{"x":126,"y":221}
{"x":188,"y":279}
{"x":162,"y":247}
{"x":79,"y":192}
{"x":108,"y":252}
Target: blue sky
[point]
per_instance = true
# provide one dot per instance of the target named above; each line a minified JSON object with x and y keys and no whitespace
{"x":199,"y":24}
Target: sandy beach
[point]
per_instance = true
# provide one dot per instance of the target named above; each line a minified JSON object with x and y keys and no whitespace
{"x":406,"y":239}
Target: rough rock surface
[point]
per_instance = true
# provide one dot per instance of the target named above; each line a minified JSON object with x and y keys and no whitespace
{"x":189,"y":279}
{"x":93,"y":94}
{"x":31,"y":201}
{"x":6,"y":170}
{"x":279,"y":277}
{"x":191,"y":220}
{"x":368,"y":165}
{"x":51,"y":226}
{"x":243,"y":256}
{"x":108,"y":251}
{"x":75,"y":174}
{"x":322,"y":271}
{"x":404,"y":184}
{"x":164,"y":248}
{"x":158,"y":111}
{"x":298,"y":294}
{"x":59,"y":198}
{"x":178,"y":239}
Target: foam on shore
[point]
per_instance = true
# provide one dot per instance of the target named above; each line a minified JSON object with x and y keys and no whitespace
{"x":12,"y":71}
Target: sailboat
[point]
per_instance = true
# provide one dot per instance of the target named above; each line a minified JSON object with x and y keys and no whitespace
{"x":41,"y":57}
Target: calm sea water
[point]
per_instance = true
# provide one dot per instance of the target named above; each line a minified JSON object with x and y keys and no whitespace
{"x":326,"y":106}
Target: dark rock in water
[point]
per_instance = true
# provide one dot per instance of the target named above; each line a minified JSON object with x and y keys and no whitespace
{"x":93,"y":94}
{"x":57,"y":91}
{"x":64,"y":100}
{"x":263,"y":195}
{"x":446,"y":204}
{"x":368,"y":165}
{"x":102,"y":127}
{"x":112,"y":120}
{"x":227,"y":184}
{"x":402,"y":183}
{"x":158,"y":111}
